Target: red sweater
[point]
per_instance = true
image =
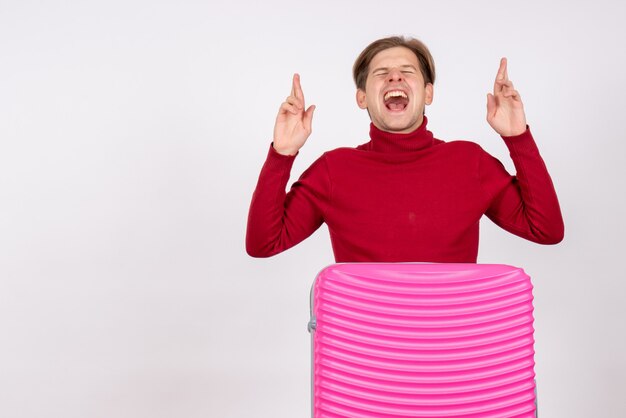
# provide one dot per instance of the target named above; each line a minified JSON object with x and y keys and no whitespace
{"x":404,"y":197}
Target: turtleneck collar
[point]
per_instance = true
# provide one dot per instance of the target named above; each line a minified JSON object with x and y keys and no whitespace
{"x":390,"y":142}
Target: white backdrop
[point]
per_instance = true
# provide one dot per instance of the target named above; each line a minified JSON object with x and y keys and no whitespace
{"x":131,"y":137}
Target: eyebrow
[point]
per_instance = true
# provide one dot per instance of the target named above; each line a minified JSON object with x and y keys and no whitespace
{"x":402,"y":66}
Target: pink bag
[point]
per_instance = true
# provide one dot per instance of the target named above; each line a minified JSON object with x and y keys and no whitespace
{"x":422,"y":340}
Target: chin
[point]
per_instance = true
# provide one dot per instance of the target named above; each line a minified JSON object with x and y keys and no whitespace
{"x":398,"y":126}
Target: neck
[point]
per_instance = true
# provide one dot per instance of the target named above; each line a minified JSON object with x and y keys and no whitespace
{"x":385,"y":141}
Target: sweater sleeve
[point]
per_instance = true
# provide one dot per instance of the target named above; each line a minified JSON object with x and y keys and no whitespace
{"x":525,"y":204}
{"x":278,"y":220}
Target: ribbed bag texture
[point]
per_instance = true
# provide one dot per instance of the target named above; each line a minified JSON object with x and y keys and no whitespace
{"x":422,"y":340}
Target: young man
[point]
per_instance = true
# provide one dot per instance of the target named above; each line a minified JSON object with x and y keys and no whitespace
{"x":404,"y":195}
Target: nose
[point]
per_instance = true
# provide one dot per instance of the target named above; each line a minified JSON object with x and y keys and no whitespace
{"x":395,"y":74}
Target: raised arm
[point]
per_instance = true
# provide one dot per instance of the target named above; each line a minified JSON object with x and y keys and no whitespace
{"x":278,"y":220}
{"x":525,"y":204}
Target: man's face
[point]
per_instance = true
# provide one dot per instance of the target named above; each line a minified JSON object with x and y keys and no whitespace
{"x":395,"y":94}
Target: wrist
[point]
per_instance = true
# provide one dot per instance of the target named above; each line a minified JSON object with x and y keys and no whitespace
{"x":284,"y":150}
{"x":514,"y":133}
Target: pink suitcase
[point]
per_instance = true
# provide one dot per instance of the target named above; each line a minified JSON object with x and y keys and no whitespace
{"x":422,"y":340}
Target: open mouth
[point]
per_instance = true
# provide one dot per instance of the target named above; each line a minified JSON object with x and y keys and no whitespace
{"x":396,"y":100}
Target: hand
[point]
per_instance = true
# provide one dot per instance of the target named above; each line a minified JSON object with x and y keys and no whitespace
{"x":293,"y":123}
{"x":505,"y":110}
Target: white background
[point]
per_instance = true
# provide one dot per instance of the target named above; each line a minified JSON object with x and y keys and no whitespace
{"x":131,"y":137}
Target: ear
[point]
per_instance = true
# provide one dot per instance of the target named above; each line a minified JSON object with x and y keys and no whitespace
{"x":428,"y":93}
{"x":361,"y":99}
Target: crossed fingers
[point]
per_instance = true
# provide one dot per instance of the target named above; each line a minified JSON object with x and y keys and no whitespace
{"x":503,"y":87}
{"x":294,"y":103}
